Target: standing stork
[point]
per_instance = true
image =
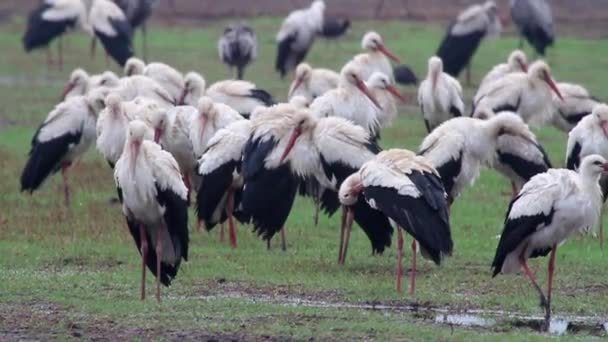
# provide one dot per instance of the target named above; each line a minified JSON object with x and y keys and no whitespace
{"x":376,"y":56}
{"x":516,"y":158}
{"x":296,"y":35}
{"x":439,"y":96}
{"x":50,"y":20}
{"x":221,"y":188}
{"x":551,"y":207}
{"x":334,"y":27}
{"x":242,"y":96}
{"x":589,"y":136}
{"x":237,"y":47}
{"x":408,"y":190}
{"x":459,"y":147}
{"x":529,"y":94}
{"x":517,"y":62}
{"x":576,"y":104}
{"x":312,"y":83}
{"x":328,"y":150}
{"x":534,"y":21}
{"x":385,"y":92}
{"x":464,"y":36}
{"x":153,"y":199}
{"x":165,"y":75}
{"x":108,"y":23}
{"x":64,"y":136}
{"x":138,"y":12}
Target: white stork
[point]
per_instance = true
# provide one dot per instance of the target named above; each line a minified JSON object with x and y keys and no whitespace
{"x":135,"y":86}
{"x":464,"y":36}
{"x":376,"y":56}
{"x":459,"y":147}
{"x":528,"y":94}
{"x":439,"y":96}
{"x":296,"y":35}
{"x":221,"y":189}
{"x":408,"y":190}
{"x":77,"y":85}
{"x":138,"y":12}
{"x":534,"y":21}
{"x":242,"y":96}
{"x":516,"y":158}
{"x":577,"y":104}
{"x":589,"y":136}
{"x":312,"y":83}
{"x":385,"y":91}
{"x":551,"y":207}
{"x":517,"y":62}
{"x":325,"y":151}
{"x":64,"y":136}
{"x":237,"y":47}
{"x":209,"y":119}
{"x":105,"y":21}
{"x":165,"y":75}
{"x":347,"y":101}
{"x":50,"y":20}
{"x":153,"y":199}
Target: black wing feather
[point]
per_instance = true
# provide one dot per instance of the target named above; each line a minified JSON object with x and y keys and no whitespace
{"x":211,"y":194}
{"x":456,"y":51}
{"x":119,"y":47}
{"x":574,"y":157}
{"x":41,"y":32}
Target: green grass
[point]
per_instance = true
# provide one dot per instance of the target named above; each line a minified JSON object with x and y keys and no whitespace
{"x":85,"y":263}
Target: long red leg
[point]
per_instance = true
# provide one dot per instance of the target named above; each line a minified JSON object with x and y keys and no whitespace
{"x":159,"y":256}
{"x":342,"y":228}
{"x":229,"y":211}
{"x":413,"y":279}
{"x":66,"y":187}
{"x":346,"y":240}
{"x":399,"y":258}
{"x":283,"y":240}
{"x":550,"y":286}
{"x":222,"y":232}
{"x":144,"y":257}
{"x":524,"y":265}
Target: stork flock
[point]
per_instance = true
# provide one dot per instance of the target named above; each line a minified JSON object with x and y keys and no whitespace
{"x":235,"y":155}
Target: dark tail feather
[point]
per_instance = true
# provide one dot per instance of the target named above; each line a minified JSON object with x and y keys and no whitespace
{"x":283,"y":52}
{"x":263,"y":96}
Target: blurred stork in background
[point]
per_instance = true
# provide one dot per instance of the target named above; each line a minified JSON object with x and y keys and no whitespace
{"x":534,"y":21}
{"x":238,"y":47}
{"x":464,"y":36}
{"x":138,"y":12}
{"x":105,"y":21}
{"x":334,"y":27}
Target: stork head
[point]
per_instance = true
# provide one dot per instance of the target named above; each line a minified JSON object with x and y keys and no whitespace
{"x":134,"y":66}
{"x":303,"y":122}
{"x":114,"y":104}
{"x":350,"y":189}
{"x":379,"y":80}
{"x":518,"y":61}
{"x":509,"y":123}
{"x":79,"y":80}
{"x":301,"y":76}
{"x":159,"y":121}
{"x":105,"y":79}
{"x":299,"y":101}
{"x":372,"y":41}
{"x":96,"y":99}
{"x":194,"y":85}
{"x":600,"y":113}
{"x":351,"y":75}
{"x":592,"y":166}
{"x":435,"y":70}
{"x":540,"y":70}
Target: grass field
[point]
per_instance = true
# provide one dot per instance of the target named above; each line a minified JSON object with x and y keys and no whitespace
{"x":69,"y":274}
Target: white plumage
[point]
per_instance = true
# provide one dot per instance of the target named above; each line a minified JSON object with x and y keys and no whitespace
{"x":385,"y":91}
{"x":165,"y":75}
{"x":439,"y":96}
{"x":517,"y":62}
{"x":577,"y":103}
{"x":108,"y":23}
{"x":77,"y":85}
{"x":312,"y":83}
{"x":135,"y":86}
{"x":376,"y":56}
{"x":589,"y":136}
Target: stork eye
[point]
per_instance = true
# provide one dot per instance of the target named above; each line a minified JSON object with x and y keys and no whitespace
{"x":597,"y":163}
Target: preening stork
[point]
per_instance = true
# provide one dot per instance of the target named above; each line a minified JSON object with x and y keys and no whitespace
{"x":351,"y":100}
{"x":64,"y":136}
{"x":135,"y":86}
{"x":237,"y":47}
{"x":517,"y":158}
{"x":210,"y":118}
{"x":528,"y":94}
{"x":534,"y":21}
{"x":138,"y":12}
{"x":219,"y":195}
{"x":408,"y":190}
{"x":312,"y":83}
{"x":459,"y":147}
{"x":77,"y":85}
{"x":296,"y":35}
{"x":325,"y":151}
{"x":376,"y":56}
{"x":517,"y":62}
{"x":50,"y":20}
{"x":153,"y":199}
{"x":576,"y":104}
{"x":108,"y":23}
{"x":165,"y":75}
{"x":464,"y":36}
{"x":334,"y":27}
{"x":242,"y":96}
{"x":589,"y":136}
{"x":106,"y":79}
{"x":385,"y":92}
{"x":551,"y":207}
{"x":439,"y":96}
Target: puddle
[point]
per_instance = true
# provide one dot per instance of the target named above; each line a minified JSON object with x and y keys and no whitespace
{"x":464,"y":320}
{"x":558,"y":326}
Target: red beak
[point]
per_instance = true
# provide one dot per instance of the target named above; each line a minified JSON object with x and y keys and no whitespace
{"x":551,"y":84}
{"x":291,"y":143}
{"x":393,"y":90}
{"x":523,"y":66}
{"x":203,"y":119}
{"x":605,"y":166}
{"x":182,"y":97}
{"x":135,"y":153}
{"x":158,"y":132}
{"x":434,"y":78}
{"x":605,"y":127}
{"x":68,"y":87}
{"x":367,"y":93}
{"x":296,"y":83}
{"x":388,"y":53}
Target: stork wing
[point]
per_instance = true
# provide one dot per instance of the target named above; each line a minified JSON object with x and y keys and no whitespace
{"x":164,"y":169}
